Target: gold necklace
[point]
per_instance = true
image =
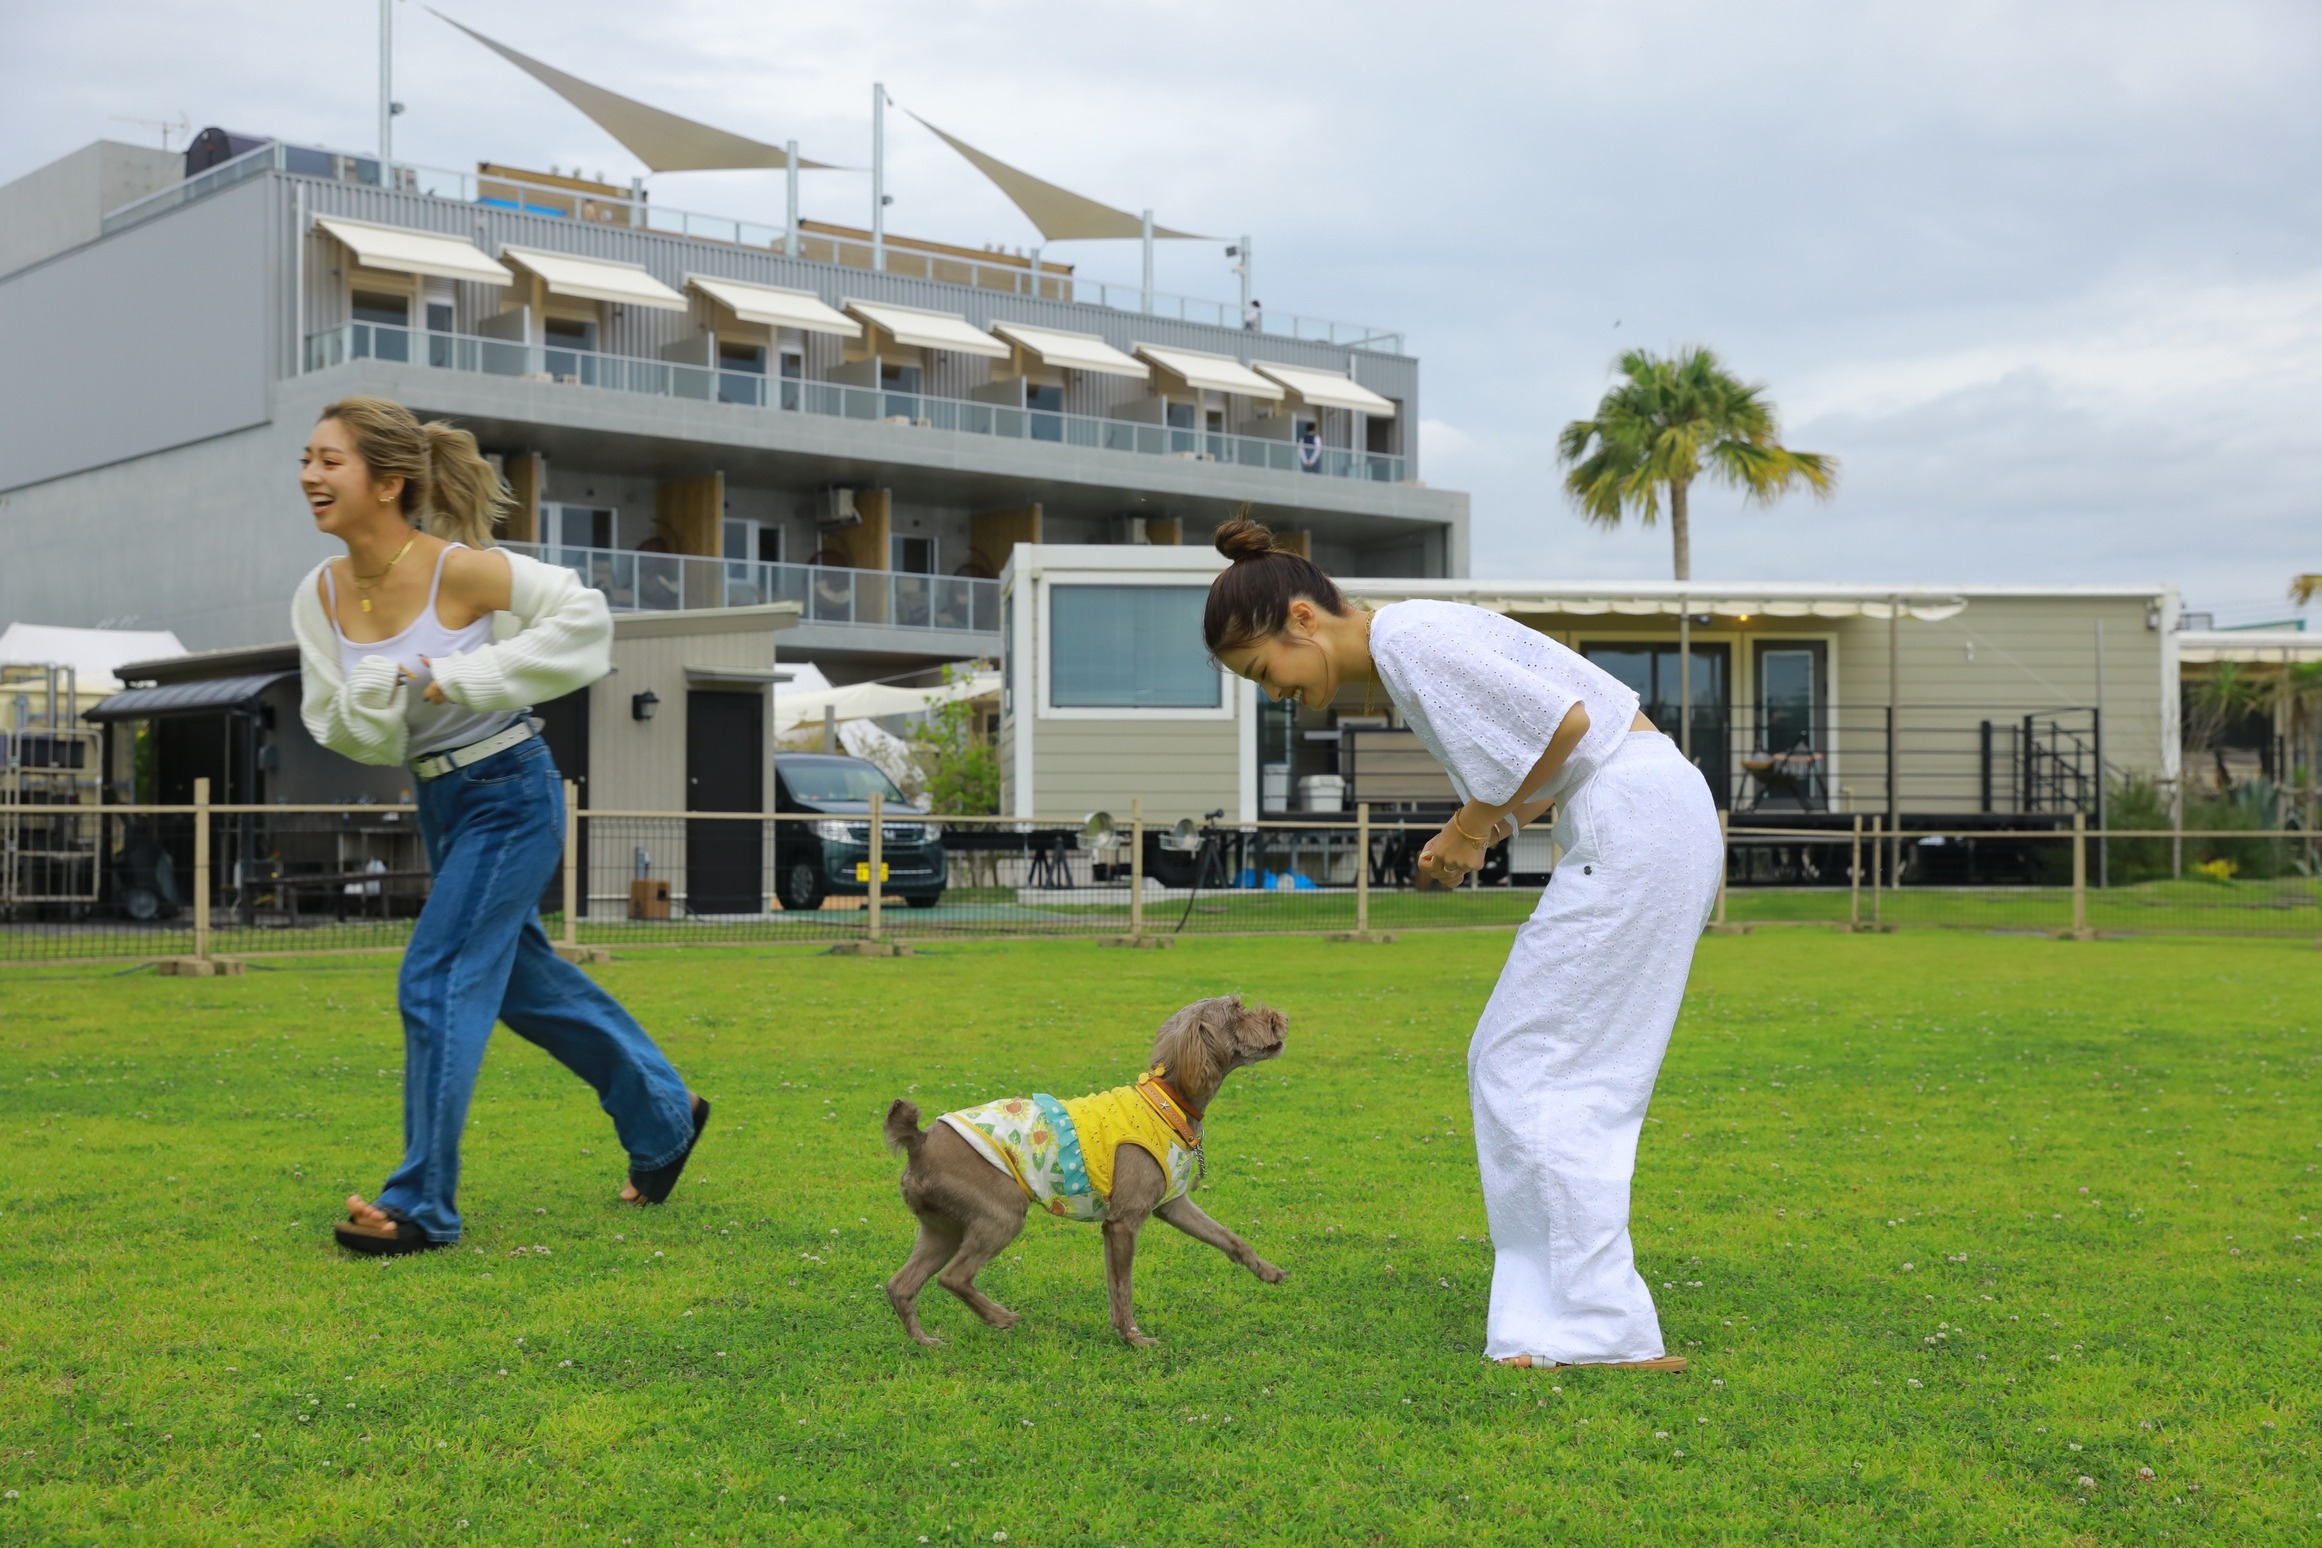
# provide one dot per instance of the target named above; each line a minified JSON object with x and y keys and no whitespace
{"x":363,"y":585}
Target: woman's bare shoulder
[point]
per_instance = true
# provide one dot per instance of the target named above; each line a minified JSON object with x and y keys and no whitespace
{"x":479,"y":577}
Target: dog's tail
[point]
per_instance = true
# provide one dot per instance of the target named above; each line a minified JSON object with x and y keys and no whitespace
{"x":904,"y":1135}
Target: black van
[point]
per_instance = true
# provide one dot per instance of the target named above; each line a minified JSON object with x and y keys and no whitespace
{"x":813,"y":860}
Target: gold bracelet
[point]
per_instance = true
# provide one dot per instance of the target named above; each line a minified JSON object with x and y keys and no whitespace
{"x":1481,"y":843}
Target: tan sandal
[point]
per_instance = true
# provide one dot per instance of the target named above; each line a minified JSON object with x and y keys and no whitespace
{"x":1525,"y":1362}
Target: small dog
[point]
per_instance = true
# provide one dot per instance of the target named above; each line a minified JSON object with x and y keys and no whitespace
{"x":1111,"y":1159}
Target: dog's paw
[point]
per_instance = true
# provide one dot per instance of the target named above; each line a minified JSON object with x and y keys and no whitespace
{"x":927,"y":1340}
{"x":1140,"y":1340}
{"x":1002,"y":1318}
{"x":1267,"y":1272}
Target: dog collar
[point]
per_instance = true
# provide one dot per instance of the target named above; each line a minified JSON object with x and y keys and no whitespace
{"x":1183,"y":1119}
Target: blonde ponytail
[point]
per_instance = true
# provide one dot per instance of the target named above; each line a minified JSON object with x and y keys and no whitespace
{"x":465,"y":498}
{"x":449,"y":490}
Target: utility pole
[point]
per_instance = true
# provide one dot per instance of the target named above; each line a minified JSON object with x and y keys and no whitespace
{"x":1148,"y":260}
{"x":790,"y":180}
{"x":878,"y":175}
{"x":1240,"y":252}
{"x":386,"y":91}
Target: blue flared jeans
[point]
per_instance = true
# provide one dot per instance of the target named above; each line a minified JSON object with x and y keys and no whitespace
{"x":494,"y":833}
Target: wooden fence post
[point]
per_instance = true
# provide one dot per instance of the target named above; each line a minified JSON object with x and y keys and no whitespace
{"x":1878,"y":869}
{"x":201,"y":887}
{"x":1854,"y":880}
{"x":571,"y":867}
{"x":878,"y":855}
{"x":1724,"y":861}
{"x":1136,"y":867}
{"x":2080,"y":931}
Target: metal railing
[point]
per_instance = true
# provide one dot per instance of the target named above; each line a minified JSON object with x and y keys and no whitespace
{"x":500,"y":190}
{"x":645,"y":582}
{"x":833,"y":400}
{"x":201,"y":882}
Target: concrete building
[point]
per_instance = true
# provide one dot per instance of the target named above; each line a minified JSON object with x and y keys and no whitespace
{"x":691,"y":411}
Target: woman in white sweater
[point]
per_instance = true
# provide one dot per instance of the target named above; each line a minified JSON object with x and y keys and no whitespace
{"x":426,"y":646}
{"x":1566,"y":1053}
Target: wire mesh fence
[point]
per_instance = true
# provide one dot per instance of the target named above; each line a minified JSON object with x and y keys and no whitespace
{"x":204,"y":882}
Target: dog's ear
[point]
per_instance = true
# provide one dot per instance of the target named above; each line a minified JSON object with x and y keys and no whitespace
{"x":1192,"y":1046}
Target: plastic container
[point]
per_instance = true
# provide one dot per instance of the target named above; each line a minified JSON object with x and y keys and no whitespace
{"x":1321,"y":793}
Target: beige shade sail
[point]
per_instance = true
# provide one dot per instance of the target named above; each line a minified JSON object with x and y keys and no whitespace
{"x":663,"y":141}
{"x":1071,"y":351}
{"x":1214,"y":373}
{"x":776,"y":307}
{"x":1327,"y":389}
{"x":414,"y":252}
{"x":908,"y":325}
{"x":595,"y":279}
{"x":874,"y":701}
{"x":1061,"y":214}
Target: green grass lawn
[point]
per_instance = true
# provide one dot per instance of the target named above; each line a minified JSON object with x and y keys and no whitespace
{"x":1948,"y":1223}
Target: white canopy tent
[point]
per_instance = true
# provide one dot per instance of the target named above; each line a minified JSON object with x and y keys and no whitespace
{"x":873,"y":701}
{"x":93,"y":654}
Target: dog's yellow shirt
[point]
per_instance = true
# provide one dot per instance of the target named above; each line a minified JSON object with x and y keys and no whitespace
{"x":1061,"y":1152}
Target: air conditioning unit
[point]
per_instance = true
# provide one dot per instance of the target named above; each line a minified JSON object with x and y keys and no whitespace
{"x":839,"y":509}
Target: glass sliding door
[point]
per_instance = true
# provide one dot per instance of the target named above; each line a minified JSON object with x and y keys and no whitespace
{"x":1650,"y":667}
{"x":1789,"y":753}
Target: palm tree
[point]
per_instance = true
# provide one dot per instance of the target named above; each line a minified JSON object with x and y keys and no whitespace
{"x":1658,"y":428}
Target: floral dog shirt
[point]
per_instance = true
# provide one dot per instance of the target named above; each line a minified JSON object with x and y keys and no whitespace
{"x":1061,"y":1152}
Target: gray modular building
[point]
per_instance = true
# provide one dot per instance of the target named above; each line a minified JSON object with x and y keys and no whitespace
{"x":690,"y":411}
{"x":1939,"y":707}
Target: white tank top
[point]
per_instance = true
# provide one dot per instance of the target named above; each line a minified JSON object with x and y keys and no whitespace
{"x":434,"y":727}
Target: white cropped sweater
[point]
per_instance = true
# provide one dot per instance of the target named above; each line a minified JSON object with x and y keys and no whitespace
{"x":556,"y":636}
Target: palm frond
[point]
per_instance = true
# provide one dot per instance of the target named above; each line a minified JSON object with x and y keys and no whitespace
{"x":2305,"y":588}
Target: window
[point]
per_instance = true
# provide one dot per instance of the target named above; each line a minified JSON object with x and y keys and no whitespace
{"x":579,"y":526}
{"x":383,"y":307}
{"x":1130,"y":647}
{"x":439,"y":317}
{"x":749,"y":540}
{"x":570,"y":332}
{"x":835,"y":779}
{"x":911,"y":555}
{"x":1790,"y":696}
{"x":734,"y":356}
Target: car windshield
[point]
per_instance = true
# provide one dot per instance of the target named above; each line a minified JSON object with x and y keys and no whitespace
{"x":836,"y":779}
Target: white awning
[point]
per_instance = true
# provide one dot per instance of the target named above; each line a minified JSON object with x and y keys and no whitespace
{"x":596,"y":279}
{"x":1327,"y":389}
{"x":776,"y":307}
{"x":1926,"y":610}
{"x":1072,"y":351}
{"x":873,"y":701}
{"x":1216,"y":373}
{"x":93,"y":654}
{"x":414,"y":252}
{"x":2259,"y":647}
{"x":908,"y":325}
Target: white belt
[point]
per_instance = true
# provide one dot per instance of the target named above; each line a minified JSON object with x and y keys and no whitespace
{"x":437,"y":765}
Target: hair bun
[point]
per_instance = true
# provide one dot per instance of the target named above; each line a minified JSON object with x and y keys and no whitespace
{"x":1241,"y":538}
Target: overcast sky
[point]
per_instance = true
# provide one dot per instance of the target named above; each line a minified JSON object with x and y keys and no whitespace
{"x":2044,"y":278}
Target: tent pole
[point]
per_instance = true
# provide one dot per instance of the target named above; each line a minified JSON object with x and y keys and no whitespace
{"x":386,"y":90}
{"x":878,"y":175}
{"x":790,"y":190}
{"x":1148,"y":222}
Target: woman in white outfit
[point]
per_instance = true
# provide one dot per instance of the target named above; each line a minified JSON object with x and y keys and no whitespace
{"x":1563,"y":1061}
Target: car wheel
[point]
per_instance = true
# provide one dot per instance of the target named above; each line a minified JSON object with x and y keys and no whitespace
{"x":924,"y":899}
{"x":802,"y":887}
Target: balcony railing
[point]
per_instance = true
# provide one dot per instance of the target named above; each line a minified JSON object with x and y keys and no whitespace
{"x":781,"y":394}
{"x":643,"y":582}
{"x":500,"y":190}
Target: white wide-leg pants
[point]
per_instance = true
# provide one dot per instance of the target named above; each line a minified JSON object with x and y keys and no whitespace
{"x":1564,"y":1060}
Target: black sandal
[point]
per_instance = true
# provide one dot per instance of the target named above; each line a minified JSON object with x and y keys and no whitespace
{"x":408,"y":1238}
{"x":654,"y":1187}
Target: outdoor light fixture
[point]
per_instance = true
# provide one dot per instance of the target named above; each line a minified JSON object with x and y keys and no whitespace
{"x":641,"y":705}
